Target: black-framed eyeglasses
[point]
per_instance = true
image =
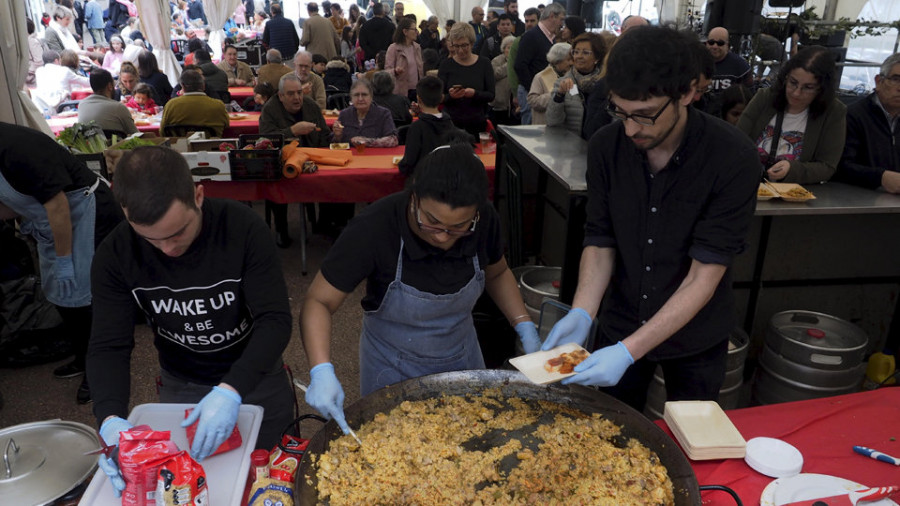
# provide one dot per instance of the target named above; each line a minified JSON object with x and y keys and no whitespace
{"x":640,"y":119}
{"x":716,"y":42}
{"x":430,"y":229}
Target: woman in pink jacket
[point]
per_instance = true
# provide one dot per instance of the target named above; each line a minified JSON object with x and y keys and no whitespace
{"x":404,"y":59}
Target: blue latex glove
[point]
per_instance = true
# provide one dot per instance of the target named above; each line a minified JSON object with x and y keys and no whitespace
{"x":65,"y":276}
{"x":604,"y":368}
{"x":529,"y":336}
{"x":572,"y":328}
{"x":109,"y":432}
{"x":326,"y":395}
{"x":218,"y":412}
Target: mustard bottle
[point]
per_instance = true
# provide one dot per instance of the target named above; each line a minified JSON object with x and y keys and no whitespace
{"x":881,"y":366}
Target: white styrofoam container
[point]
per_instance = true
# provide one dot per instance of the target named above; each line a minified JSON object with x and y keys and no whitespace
{"x":226,"y":473}
{"x":216,"y":159}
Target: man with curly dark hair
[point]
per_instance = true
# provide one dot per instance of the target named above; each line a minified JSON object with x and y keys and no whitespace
{"x":671,"y":192}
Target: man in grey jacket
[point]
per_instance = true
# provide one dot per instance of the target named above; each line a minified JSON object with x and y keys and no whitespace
{"x":100,"y":107}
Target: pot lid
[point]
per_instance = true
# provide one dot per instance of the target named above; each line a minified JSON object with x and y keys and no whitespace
{"x":42,"y":461}
{"x":818,"y":330}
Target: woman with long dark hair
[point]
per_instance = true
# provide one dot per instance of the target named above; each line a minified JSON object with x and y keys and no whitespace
{"x":404,"y":59}
{"x":802,"y":115}
{"x":150,"y":74}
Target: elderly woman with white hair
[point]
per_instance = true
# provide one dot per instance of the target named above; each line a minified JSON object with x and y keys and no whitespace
{"x":57,"y":36}
{"x":559,"y":61}
{"x":500,"y":107}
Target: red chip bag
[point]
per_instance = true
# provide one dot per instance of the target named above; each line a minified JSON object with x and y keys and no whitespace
{"x":141,"y":452}
{"x":233,"y":441}
{"x":182,"y":482}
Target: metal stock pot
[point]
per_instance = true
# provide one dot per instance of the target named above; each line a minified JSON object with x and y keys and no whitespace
{"x":510,"y":384}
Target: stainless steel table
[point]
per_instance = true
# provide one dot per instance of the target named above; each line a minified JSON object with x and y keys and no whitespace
{"x":559,"y":157}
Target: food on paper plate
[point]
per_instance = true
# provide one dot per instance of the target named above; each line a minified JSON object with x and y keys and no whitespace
{"x":339,"y":145}
{"x":797,"y":192}
{"x":764,"y":192}
{"x":565,"y":363}
{"x":489,"y":449}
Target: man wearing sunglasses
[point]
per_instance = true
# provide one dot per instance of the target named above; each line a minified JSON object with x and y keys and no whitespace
{"x":426,"y":255}
{"x":731,"y":69}
{"x":671,"y":192}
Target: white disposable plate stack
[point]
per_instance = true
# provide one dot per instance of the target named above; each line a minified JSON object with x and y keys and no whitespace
{"x":704,"y":431}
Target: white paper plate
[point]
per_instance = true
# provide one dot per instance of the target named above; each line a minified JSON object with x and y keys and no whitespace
{"x":808,"y":486}
{"x":773,"y":457}
{"x":532,"y":365}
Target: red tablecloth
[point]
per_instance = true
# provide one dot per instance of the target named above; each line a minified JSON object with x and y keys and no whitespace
{"x":240,"y":93}
{"x":81,"y":94}
{"x":824,"y":430}
{"x":247,"y":124}
{"x":345,"y":185}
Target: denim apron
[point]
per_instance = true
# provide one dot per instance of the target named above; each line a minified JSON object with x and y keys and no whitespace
{"x":82,"y":209}
{"x":415,"y":333}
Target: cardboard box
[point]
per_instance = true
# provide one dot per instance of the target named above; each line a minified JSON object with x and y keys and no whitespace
{"x":202,"y":161}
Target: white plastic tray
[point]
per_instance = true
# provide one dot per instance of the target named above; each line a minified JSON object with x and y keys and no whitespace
{"x":532,"y":364}
{"x":226,"y":473}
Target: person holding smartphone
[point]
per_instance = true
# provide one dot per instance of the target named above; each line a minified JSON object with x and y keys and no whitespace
{"x":469,"y":81}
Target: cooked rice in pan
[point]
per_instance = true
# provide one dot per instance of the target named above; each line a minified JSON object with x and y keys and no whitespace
{"x":487,"y":450}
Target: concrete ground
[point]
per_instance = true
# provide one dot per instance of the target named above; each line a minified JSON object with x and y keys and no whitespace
{"x":33,"y":394}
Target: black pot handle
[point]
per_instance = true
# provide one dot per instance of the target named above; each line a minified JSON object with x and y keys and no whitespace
{"x":296,"y":423}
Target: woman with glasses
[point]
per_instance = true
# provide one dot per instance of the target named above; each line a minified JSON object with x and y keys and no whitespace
{"x":468,"y":81}
{"x":428,"y":254}
{"x":572,"y":90}
{"x":404,"y":59}
{"x":559,"y":61}
{"x":364,"y":121}
{"x":798,"y":125}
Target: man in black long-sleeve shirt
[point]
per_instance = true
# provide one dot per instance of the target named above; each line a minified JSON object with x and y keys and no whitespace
{"x":671,"y":192}
{"x":872,"y":152}
{"x":205,"y":274}
{"x":376,"y":34}
{"x":531,"y":55}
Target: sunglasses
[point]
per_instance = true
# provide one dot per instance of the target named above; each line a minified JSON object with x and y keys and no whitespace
{"x":437,"y":230}
{"x":715,"y":42}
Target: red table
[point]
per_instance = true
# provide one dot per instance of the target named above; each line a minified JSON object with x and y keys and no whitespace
{"x":824,"y":430}
{"x":248,"y":123}
{"x":379,"y":179}
{"x":240,"y":93}
{"x":81,"y":94}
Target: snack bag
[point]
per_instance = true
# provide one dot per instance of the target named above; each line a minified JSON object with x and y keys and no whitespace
{"x":233,"y":441}
{"x":282,"y":466}
{"x":269,"y":492}
{"x":141,"y":453}
{"x":182,"y":482}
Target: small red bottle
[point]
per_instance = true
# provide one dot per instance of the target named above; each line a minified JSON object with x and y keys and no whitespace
{"x":259,"y":468}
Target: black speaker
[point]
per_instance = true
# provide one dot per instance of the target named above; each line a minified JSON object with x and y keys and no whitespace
{"x":787,"y":3}
{"x":739,"y":17}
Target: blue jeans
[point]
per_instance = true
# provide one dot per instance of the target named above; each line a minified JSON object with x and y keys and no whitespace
{"x":524,"y":109}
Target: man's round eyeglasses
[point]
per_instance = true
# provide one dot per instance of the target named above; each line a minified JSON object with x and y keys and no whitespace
{"x":893,"y":80}
{"x":437,"y":230}
{"x":640,"y":119}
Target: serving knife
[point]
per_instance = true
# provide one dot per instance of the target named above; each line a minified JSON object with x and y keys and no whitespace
{"x":851,"y":499}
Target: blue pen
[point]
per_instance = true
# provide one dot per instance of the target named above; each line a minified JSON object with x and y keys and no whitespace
{"x":868,"y":452}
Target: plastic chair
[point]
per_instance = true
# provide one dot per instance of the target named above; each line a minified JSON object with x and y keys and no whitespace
{"x":68,"y":105}
{"x":339,"y":101}
{"x":401,"y":134}
{"x":187,"y":130}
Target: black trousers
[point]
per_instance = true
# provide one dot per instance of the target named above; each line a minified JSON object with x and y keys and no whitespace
{"x":77,"y":325}
{"x":697,"y":377}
